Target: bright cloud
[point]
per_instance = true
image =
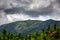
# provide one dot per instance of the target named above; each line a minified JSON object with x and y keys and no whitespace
{"x":15,"y":17}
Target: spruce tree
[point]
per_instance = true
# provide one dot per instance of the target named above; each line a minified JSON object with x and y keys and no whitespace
{"x":55,"y":27}
{"x":19,"y":35}
{"x":4,"y":32}
{"x":48,"y":28}
{"x":44,"y":38}
{"x":43,"y":31}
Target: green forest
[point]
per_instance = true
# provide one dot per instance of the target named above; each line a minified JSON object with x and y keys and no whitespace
{"x":48,"y":34}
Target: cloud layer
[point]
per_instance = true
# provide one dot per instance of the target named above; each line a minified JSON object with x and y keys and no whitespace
{"x":14,"y":10}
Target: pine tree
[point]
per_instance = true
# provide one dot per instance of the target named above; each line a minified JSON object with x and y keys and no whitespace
{"x":44,"y":38}
{"x":29,"y":37}
{"x":35,"y":35}
{"x":19,"y":35}
{"x":0,"y":38}
{"x":8,"y":36}
{"x":43,"y":31}
{"x":4,"y":32}
{"x":55,"y":27}
{"x":48,"y":28}
{"x":26,"y":37}
{"x":57,"y":33}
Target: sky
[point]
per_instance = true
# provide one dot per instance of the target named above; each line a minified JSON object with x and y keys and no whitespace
{"x":20,"y":10}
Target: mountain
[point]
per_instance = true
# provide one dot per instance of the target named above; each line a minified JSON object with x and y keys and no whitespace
{"x":28,"y":26}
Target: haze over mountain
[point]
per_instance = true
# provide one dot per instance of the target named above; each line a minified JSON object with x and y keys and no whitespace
{"x":17,"y":10}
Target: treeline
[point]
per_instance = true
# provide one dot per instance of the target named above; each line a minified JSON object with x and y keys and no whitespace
{"x":50,"y":34}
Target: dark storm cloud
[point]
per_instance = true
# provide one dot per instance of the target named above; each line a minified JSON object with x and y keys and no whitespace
{"x":18,"y":6}
{"x":58,"y":1}
{"x":24,"y":4}
{"x":45,"y":11}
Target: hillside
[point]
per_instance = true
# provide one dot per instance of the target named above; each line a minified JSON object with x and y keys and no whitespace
{"x":28,"y":26}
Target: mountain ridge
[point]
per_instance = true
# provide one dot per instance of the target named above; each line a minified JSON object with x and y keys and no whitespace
{"x":28,"y":26}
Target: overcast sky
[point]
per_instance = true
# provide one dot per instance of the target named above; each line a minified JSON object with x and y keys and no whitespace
{"x":15,"y":10}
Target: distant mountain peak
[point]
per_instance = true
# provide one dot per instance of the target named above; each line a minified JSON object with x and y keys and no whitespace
{"x":50,"y":20}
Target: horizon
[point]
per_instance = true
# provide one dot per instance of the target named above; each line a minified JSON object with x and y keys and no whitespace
{"x":29,"y":20}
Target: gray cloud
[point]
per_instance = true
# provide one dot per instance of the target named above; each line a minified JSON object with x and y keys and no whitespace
{"x":58,"y":1}
{"x":45,"y":11}
{"x":17,"y":6}
{"x":28,"y":7}
{"x":33,"y":9}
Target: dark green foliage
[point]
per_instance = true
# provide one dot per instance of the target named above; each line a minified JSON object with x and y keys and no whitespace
{"x":44,"y":38}
{"x":43,"y":30}
{"x":48,"y":28}
{"x":44,"y":35}
{"x":19,"y":35}
{"x":4,"y":31}
{"x":55,"y":26}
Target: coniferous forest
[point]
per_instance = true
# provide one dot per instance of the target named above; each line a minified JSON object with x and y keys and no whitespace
{"x":48,"y":34}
